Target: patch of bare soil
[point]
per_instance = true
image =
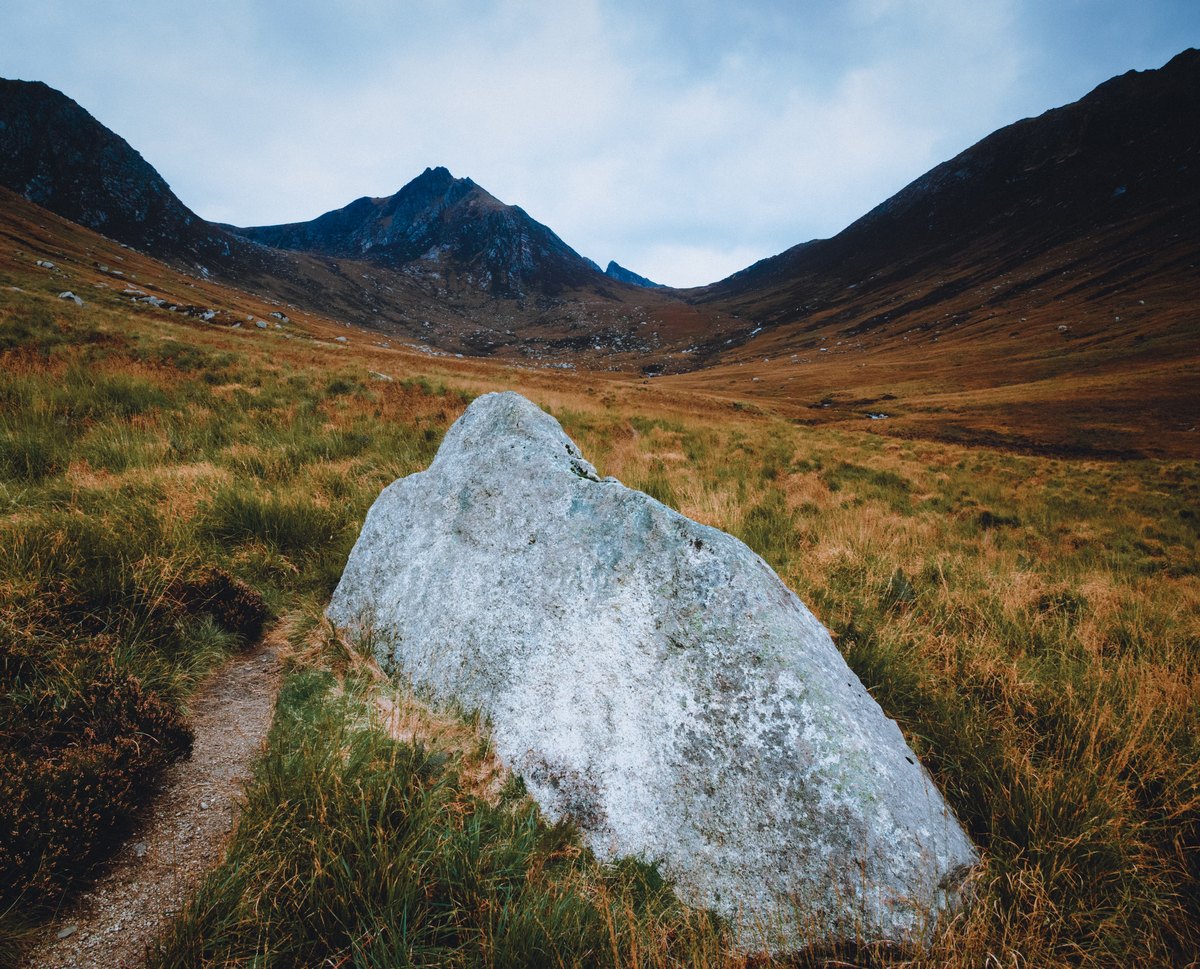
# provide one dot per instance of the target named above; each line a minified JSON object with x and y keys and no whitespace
{"x":186,"y":830}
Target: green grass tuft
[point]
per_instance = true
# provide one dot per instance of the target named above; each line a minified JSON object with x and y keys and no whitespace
{"x":358,"y":849}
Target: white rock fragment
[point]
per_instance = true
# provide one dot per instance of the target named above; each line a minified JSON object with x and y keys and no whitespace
{"x":653,"y":680}
{"x":68,"y":295}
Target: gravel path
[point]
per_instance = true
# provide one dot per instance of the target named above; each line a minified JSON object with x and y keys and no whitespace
{"x":185,"y":832}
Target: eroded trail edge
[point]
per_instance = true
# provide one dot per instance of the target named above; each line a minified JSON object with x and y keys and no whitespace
{"x":186,"y":829}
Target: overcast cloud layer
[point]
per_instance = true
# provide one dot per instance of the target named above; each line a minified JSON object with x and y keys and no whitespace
{"x":683,"y":139}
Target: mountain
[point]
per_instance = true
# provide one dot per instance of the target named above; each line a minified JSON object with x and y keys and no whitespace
{"x":502,"y":282}
{"x":55,"y":154}
{"x":444,"y":228}
{"x":619,"y":272}
{"x":1038,"y":291}
{"x":58,"y":156}
{"x":441,"y":264}
{"x":1126,"y":154}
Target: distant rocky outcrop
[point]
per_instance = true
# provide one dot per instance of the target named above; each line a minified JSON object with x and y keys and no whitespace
{"x":622,"y":275}
{"x":653,"y":680}
{"x":445,"y":225}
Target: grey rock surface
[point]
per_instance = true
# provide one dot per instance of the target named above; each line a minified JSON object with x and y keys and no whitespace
{"x":652,"y":679}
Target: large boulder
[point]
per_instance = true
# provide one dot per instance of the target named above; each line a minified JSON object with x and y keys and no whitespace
{"x":653,"y":680}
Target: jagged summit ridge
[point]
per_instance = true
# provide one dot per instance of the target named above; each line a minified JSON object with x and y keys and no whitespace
{"x":439,"y":225}
{"x":618,"y":272}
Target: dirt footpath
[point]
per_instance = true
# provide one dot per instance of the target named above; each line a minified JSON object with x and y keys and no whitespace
{"x":185,"y":832}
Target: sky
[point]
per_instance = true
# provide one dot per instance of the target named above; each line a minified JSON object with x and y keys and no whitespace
{"x":685,"y":140}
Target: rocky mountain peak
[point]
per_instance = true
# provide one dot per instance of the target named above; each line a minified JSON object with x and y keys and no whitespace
{"x":618,"y":272}
{"x":445,"y":230}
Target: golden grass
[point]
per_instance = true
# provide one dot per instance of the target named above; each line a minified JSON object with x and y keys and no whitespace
{"x":1032,"y":622}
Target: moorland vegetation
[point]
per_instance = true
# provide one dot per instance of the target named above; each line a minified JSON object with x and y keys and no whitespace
{"x":167,"y":486}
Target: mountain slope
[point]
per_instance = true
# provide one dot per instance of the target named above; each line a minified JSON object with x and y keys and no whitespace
{"x":57,"y":155}
{"x":1059,"y":248}
{"x":1130,"y":150}
{"x":1040,"y":290}
{"x":442,"y":227}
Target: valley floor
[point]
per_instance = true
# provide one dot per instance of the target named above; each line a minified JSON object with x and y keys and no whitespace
{"x":1030,"y":620}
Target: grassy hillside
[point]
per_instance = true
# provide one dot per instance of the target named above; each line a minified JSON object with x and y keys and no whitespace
{"x":166,"y":484}
{"x":160,"y":493}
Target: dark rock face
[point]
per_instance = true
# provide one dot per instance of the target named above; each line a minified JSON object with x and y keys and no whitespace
{"x":437,"y":225}
{"x":57,"y":155}
{"x":621,"y":274}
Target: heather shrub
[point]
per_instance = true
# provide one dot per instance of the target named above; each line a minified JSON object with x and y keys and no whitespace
{"x":80,"y":744}
{"x":229,"y":602}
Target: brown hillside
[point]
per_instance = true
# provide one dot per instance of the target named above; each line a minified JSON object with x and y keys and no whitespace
{"x":1040,"y":290}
